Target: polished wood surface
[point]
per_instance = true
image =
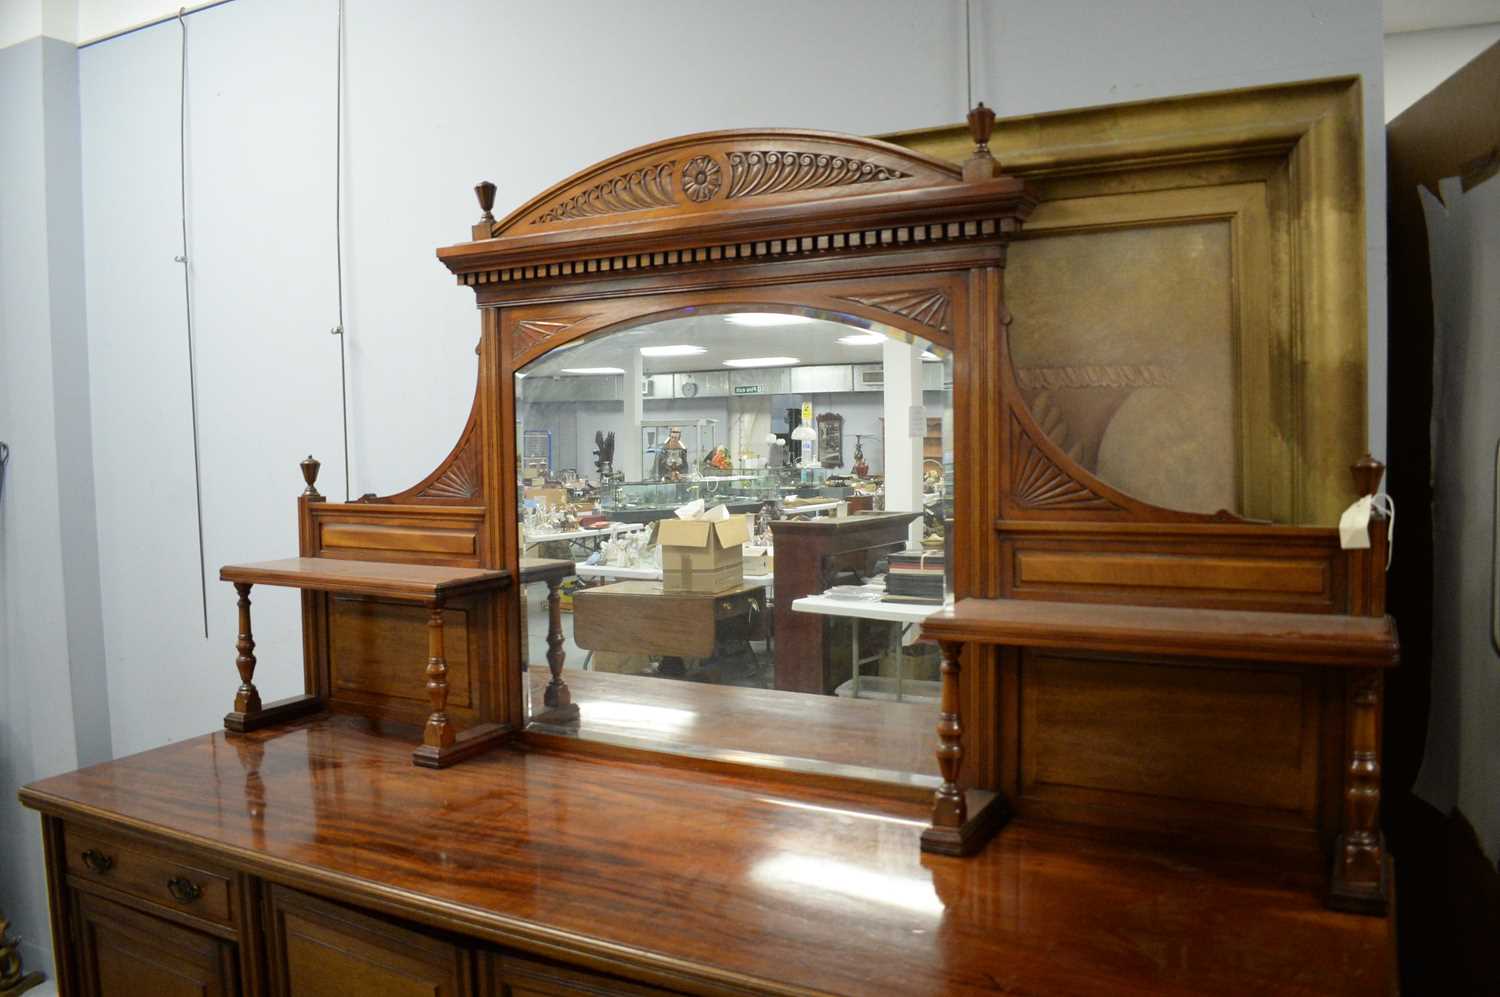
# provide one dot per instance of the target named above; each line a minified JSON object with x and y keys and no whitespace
{"x":1320,"y":639}
{"x":415,"y":582}
{"x":605,"y":866}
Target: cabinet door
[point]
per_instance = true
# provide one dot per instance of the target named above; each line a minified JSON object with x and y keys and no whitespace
{"x":124,"y":953}
{"x":513,"y":976}
{"x":319,"y":949}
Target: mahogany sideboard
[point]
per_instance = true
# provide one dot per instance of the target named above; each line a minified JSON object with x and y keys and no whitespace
{"x":314,"y":859}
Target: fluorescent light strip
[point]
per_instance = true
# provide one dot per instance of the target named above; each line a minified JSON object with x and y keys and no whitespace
{"x":766,"y":319}
{"x":672,"y":351}
{"x":863,"y":339}
{"x":762,"y":362}
{"x":593,"y":370}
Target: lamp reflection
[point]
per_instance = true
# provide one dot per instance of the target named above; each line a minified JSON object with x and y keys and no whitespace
{"x":836,"y":812}
{"x":798,"y":873}
{"x":613,"y":711}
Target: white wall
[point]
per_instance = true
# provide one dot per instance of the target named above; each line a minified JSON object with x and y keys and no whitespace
{"x":439,"y":96}
{"x":1417,"y":61}
{"x":1460,"y":766}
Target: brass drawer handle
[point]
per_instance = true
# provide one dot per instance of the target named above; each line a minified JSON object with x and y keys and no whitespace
{"x":98,"y":861}
{"x":183,"y":890}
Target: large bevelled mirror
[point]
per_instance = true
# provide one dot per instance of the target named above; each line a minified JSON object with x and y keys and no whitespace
{"x":753,"y":500}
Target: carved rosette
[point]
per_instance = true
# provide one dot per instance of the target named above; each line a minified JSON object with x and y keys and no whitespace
{"x":928,"y":306}
{"x":531,"y":332}
{"x":1038,"y":483}
{"x":701,"y":178}
{"x":647,"y":187}
{"x":777,"y":171}
{"x":462,"y":480}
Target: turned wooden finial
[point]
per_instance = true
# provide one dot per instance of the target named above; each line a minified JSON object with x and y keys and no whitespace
{"x":485,"y":191}
{"x":1367,"y":474}
{"x":310,"y":468}
{"x":981,"y":165}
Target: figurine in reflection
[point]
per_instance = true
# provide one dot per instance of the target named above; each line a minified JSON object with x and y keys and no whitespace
{"x":604,"y":454}
{"x":861,"y":469}
{"x":717,"y":461}
{"x":13,"y":977}
{"x":671,"y":458}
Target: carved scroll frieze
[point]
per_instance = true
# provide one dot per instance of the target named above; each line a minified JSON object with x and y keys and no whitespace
{"x":462,"y":480}
{"x":928,"y":305}
{"x":1094,"y":376}
{"x":1038,"y":483}
{"x":529,"y":332}
{"x":647,"y":187}
{"x":774,"y":171}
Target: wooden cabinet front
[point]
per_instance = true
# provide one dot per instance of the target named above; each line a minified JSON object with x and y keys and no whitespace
{"x":319,"y":949}
{"x":124,"y":953}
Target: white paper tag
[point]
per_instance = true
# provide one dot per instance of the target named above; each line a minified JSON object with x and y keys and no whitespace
{"x":1354,"y":525}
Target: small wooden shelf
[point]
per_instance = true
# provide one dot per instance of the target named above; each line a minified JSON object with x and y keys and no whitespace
{"x":1301,"y":638}
{"x":424,"y":583}
{"x":428,"y":585}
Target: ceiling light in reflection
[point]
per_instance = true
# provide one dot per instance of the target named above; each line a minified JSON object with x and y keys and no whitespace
{"x":762,"y":362}
{"x":798,"y":873}
{"x":613,"y":711}
{"x":593,"y":370}
{"x":763,"y":319}
{"x":931,"y":357}
{"x":836,"y":812}
{"x":863,"y":339}
{"x":683,"y":350}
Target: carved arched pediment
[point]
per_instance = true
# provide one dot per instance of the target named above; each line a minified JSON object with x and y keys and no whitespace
{"x":714,"y":170}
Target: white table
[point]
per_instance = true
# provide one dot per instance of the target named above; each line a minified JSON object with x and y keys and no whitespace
{"x":903,"y":614}
{"x":797,"y":510}
{"x":645,"y":573}
{"x":613,"y":529}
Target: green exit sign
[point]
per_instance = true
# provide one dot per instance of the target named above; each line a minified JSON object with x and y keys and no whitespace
{"x":747,"y":389}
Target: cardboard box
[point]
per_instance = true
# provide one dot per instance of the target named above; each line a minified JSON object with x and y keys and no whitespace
{"x":703,"y":554}
{"x":758,"y":560}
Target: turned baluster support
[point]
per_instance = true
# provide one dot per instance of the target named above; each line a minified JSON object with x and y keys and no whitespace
{"x":247,"y":698}
{"x":949,"y":808}
{"x":557,"y":694}
{"x":439,"y":731}
{"x":1359,"y":865}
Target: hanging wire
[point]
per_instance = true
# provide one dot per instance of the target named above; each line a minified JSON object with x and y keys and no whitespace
{"x":969,"y":51}
{"x":338,"y":236}
{"x":187,"y":306}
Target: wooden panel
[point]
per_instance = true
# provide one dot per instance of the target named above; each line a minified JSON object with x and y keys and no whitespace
{"x":379,"y":654}
{"x":323,"y":950}
{"x":1304,"y":577}
{"x":1165,"y":738}
{"x":404,"y":538}
{"x":124,"y":953}
{"x":164,"y":877}
{"x":511,"y":976}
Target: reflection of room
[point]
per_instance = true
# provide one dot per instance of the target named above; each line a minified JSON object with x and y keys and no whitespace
{"x":819,"y":431}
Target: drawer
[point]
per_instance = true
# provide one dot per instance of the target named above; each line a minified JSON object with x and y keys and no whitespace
{"x":160,"y":875}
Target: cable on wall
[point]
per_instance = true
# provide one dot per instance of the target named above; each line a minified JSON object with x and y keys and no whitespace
{"x":187,"y":306}
{"x":338,"y":236}
{"x":969,"y":52}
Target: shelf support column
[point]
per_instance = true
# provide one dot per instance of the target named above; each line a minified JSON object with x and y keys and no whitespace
{"x":557,"y":694}
{"x":439,"y":730}
{"x":1359,"y":881}
{"x":962,"y":821}
{"x":247,"y":697}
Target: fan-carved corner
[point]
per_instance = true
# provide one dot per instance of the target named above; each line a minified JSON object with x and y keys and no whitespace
{"x":462,"y":480}
{"x":1038,"y":483}
{"x":928,"y":306}
{"x":530,"y":334}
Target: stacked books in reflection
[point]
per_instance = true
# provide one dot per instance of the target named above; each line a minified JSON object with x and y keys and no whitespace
{"x":915,"y":577}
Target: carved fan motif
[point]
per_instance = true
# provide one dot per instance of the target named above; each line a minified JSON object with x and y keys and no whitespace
{"x":647,"y":187}
{"x":461,"y":480}
{"x":926,"y":305}
{"x":773,"y":172}
{"x":1037,"y":483}
{"x":530,"y":332}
